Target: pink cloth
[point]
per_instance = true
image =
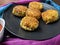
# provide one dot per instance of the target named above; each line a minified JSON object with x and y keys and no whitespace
{"x":16,"y":1}
{"x":25,"y":1}
{"x":17,"y":41}
{"x":2,"y":3}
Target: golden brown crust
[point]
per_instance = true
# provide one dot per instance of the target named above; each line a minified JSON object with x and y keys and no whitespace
{"x":19,"y":10}
{"x":33,"y":13}
{"x":36,"y":5}
{"x":50,"y":16}
{"x":29,"y":23}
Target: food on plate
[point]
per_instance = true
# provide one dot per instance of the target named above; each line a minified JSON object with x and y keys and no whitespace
{"x":50,"y":16}
{"x":19,"y":10}
{"x":33,"y":13}
{"x":29,"y":23}
{"x":36,"y":5}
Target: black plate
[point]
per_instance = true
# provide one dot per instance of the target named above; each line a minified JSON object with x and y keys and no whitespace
{"x":43,"y":32}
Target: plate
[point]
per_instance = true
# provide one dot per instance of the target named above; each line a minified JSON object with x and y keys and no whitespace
{"x":43,"y":32}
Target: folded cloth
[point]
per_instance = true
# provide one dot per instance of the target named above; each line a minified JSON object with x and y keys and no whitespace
{"x":3,"y":8}
{"x":53,"y":4}
{"x":17,"y":41}
{"x":25,"y":1}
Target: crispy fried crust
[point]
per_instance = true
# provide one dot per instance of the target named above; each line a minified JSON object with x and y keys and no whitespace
{"x":29,"y":23}
{"x":19,"y":10}
{"x":36,"y":5}
{"x":33,"y":13}
{"x":50,"y":16}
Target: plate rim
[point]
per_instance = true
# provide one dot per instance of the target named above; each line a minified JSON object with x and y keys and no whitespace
{"x":24,"y":37}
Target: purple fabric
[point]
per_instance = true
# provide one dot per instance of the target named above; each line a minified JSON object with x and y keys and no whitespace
{"x":17,"y":41}
{"x":25,"y":1}
{"x":21,"y":2}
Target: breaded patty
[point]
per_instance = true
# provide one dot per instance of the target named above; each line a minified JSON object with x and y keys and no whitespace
{"x":50,"y":16}
{"x":19,"y":10}
{"x":29,"y":23}
{"x":33,"y":13}
{"x":36,"y":5}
